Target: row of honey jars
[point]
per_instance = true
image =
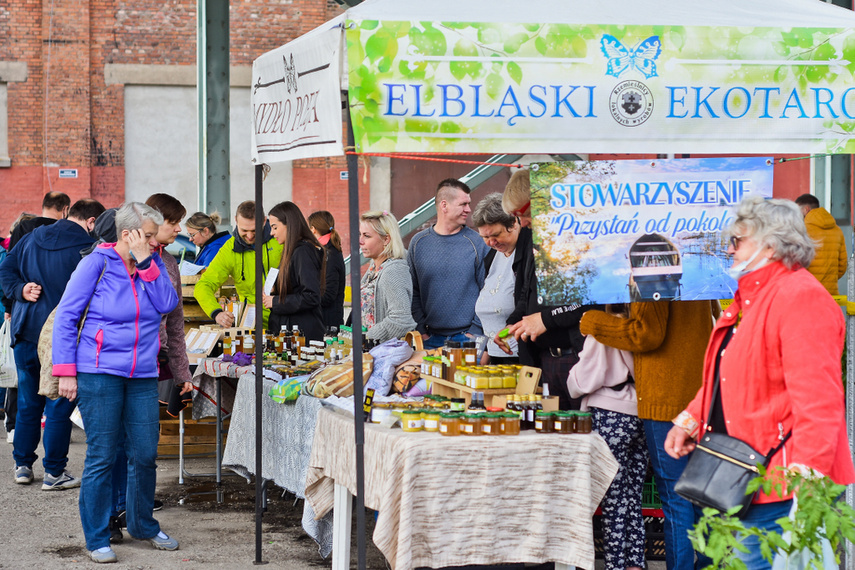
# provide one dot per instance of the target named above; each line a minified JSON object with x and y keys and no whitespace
{"x":563,"y":422}
{"x":487,"y":377}
{"x":501,"y":423}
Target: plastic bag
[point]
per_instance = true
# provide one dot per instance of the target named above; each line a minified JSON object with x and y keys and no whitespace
{"x":387,"y":357}
{"x":337,"y":379}
{"x":287,"y":390}
{"x":8,"y":370}
{"x":802,"y":560}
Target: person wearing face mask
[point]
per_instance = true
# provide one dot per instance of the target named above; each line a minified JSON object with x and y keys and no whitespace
{"x":386,"y":288}
{"x":776,"y":354}
{"x":236,"y":259}
{"x":123,"y":290}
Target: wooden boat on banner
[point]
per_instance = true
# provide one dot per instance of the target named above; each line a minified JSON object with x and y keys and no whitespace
{"x":656,"y":269}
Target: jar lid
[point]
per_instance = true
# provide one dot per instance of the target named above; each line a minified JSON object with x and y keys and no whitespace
{"x":494,"y":410}
{"x":510,"y":415}
{"x":458,"y":400}
{"x":542,"y":414}
{"x":469,"y":344}
{"x":449,"y":415}
{"x":453,"y":343}
{"x":584,"y":414}
{"x":412,"y":411}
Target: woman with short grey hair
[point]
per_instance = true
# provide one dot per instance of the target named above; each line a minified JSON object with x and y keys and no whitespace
{"x":778,"y":381}
{"x":497,"y":302}
{"x":118,"y":294}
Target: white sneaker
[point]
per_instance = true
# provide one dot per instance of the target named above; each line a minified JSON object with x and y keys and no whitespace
{"x":10,"y":437}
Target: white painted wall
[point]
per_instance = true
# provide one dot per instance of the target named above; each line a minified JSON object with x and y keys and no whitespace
{"x":161,"y":149}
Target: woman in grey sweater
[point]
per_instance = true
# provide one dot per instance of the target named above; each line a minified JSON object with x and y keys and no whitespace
{"x":387,"y":288}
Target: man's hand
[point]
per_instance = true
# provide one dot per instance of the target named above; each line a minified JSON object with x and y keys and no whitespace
{"x":678,"y":443}
{"x":225,"y":319}
{"x":529,"y":328}
{"x":68,"y":387}
{"x":31,"y":292}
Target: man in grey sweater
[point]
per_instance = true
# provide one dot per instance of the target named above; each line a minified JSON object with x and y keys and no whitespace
{"x":447,"y":265}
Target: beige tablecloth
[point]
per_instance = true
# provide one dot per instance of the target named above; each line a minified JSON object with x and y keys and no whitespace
{"x":451,"y":501}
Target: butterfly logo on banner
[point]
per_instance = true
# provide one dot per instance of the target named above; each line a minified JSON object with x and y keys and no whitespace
{"x":642,"y":57}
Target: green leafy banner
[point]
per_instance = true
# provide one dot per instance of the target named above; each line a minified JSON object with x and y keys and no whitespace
{"x":496,"y":87}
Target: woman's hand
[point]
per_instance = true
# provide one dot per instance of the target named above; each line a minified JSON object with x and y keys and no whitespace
{"x":68,"y":387}
{"x":267,"y":301}
{"x":485,"y":359}
{"x":678,"y":443}
{"x":500,"y":342}
{"x":186,"y":387}
{"x":529,"y":328}
{"x":139,"y":244}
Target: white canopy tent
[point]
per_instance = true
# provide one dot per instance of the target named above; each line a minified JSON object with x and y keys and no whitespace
{"x":556,"y":76}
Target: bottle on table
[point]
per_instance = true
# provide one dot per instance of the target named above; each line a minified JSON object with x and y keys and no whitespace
{"x":227,"y":344}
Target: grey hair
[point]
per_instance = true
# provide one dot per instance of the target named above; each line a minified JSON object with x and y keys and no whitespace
{"x":489,"y":211}
{"x":132,"y":215}
{"x":777,"y":224}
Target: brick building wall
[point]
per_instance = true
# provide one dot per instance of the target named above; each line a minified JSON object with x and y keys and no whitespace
{"x":65,"y":115}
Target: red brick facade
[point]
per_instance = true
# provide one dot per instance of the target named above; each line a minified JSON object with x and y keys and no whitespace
{"x":65,"y":115}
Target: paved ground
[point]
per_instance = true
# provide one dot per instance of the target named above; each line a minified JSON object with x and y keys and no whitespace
{"x":41,"y":529}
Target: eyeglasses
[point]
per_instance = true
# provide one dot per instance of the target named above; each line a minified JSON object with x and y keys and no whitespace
{"x":192,"y":234}
{"x":735,"y":241}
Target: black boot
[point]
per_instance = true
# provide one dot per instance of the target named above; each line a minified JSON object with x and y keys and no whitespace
{"x":115,"y":531}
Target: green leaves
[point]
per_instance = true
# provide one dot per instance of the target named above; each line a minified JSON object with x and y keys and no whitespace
{"x":820,"y":515}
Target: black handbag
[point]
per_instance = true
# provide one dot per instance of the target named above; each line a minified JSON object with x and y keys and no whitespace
{"x":720,"y":469}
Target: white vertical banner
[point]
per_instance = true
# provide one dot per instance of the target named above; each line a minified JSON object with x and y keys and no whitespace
{"x":296,"y":99}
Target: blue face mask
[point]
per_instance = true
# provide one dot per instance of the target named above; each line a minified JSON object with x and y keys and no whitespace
{"x":739,"y":270}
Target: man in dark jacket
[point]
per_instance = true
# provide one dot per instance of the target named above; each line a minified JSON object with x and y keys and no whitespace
{"x":34,"y":274}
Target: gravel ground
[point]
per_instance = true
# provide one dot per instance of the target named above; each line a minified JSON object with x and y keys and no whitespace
{"x":41,"y":529}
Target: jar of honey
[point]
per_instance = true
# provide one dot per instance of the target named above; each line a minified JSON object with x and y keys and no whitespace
{"x":512,"y":423}
{"x":490,"y":424}
{"x":380,"y":411}
{"x":564,"y":422}
{"x":543,"y":422}
{"x":584,"y":422}
{"x":449,"y":424}
{"x":470,"y":424}
{"x":430,"y":419}
{"x":411,"y":420}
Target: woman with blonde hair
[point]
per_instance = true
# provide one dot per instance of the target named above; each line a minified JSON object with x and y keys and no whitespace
{"x":202,"y":229}
{"x":322,"y":225}
{"x":387,"y":288}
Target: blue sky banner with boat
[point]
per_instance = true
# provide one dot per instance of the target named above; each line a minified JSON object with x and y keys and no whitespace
{"x":631,"y":230}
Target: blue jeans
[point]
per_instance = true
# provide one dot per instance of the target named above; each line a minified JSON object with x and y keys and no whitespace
{"x":112,"y":406}
{"x":680,"y":514}
{"x":31,"y":407}
{"x":763,"y":517}
{"x":120,"y":480}
{"x":437,"y":340}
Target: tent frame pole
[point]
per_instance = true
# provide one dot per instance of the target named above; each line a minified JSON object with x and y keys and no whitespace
{"x":356,"y":312}
{"x":259,"y":355}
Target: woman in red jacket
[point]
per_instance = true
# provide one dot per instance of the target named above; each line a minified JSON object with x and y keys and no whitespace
{"x":780,"y":371}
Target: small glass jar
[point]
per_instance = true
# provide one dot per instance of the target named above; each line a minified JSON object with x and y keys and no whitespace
{"x":449,"y":424}
{"x":495,"y":378}
{"x":457,"y":404}
{"x":379,"y":412}
{"x":512,"y":423}
{"x":430,"y":419}
{"x":411,"y":420}
{"x":490,"y":424}
{"x":470,"y":424}
{"x":543,"y":422}
{"x":584,"y":422}
{"x":564,"y":422}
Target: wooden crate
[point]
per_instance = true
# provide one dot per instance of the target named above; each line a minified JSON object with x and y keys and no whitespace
{"x":200,"y":436}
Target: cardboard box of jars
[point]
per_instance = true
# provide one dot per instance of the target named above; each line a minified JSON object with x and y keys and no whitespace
{"x":527,"y":383}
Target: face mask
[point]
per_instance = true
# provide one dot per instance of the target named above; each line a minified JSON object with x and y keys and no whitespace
{"x":740,"y":270}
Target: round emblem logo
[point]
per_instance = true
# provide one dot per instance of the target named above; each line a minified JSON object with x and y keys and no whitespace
{"x":631,"y":103}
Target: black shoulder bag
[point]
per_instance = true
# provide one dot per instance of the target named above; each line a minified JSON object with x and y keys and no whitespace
{"x":720,"y":469}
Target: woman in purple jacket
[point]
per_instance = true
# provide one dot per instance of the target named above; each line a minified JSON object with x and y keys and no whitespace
{"x":123,"y":291}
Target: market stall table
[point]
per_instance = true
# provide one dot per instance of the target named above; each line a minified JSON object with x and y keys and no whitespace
{"x":214,"y":385}
{"x":452,"y":501}
{"x":286,"y":446}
